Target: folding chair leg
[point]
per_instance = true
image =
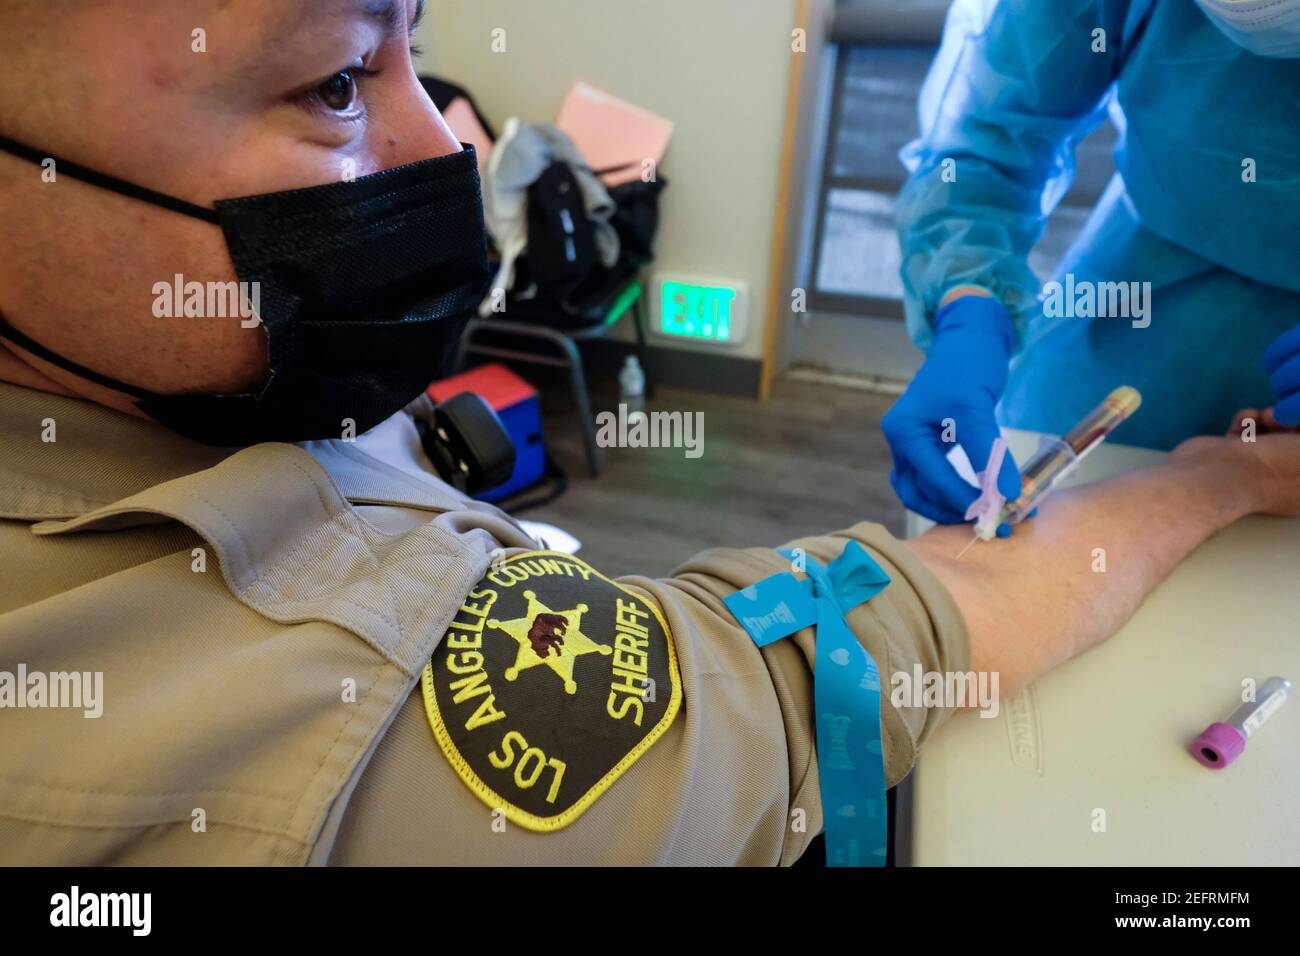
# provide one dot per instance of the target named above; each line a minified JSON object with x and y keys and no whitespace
{"x":638,"y":322}
{"x":579,"y":380}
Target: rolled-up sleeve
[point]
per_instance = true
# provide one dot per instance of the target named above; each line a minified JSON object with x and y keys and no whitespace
{"x":912,"y":622}
{"x":733,"y":779}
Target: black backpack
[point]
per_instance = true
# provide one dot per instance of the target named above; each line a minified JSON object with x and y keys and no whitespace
{"x":561,"y":242}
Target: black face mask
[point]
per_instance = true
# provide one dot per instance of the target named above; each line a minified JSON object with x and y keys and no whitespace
{"x":364,"y":287}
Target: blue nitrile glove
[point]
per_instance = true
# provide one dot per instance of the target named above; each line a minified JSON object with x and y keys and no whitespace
{"x":962,"y":379}
{"x":1282,"y":362}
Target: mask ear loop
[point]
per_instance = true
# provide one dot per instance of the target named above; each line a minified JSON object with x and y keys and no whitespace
{"x":122,"y":188}
{"x":111,"y":183}
{"x":9,"y":333}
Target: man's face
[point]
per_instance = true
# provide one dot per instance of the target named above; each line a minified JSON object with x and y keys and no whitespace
{"x":201,"y":100}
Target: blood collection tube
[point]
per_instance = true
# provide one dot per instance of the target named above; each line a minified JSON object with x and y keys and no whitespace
{"x":1222,"y":742}
{"x":1057,"y":457}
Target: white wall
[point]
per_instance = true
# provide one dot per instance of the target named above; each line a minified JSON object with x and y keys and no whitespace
{"x":716,"y":68}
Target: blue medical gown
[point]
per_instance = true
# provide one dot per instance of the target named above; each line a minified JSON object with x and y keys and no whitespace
{"x":1015,"y":86}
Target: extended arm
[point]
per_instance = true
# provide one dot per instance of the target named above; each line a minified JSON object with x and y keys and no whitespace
{"x":736,"y":777}
{"x":1038,"y":598}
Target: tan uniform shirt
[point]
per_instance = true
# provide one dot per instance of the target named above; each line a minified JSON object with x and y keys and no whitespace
{"x":252,"y":625}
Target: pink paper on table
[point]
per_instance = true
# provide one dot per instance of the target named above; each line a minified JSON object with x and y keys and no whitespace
{"x":464,"y":125}
{"x":611,"y":132}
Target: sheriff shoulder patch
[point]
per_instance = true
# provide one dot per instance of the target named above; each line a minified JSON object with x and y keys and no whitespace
{"x":551,"y":681}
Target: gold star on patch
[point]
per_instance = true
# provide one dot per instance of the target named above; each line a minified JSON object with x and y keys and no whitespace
{"x":552,"y":638}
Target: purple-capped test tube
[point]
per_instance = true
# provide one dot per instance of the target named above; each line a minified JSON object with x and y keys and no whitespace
{"x":1221,"y":743}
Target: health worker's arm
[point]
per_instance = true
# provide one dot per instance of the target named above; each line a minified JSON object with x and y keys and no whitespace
{"x":1011,"y":91}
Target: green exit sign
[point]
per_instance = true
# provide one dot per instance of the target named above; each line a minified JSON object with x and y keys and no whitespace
{"x":704,"y":311}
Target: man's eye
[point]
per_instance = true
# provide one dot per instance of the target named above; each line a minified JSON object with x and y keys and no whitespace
{"x":339,"y":92}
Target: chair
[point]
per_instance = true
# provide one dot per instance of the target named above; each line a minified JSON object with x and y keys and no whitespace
{"x":586,"y":314}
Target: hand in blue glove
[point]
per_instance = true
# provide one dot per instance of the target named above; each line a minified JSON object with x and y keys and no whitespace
{"x":1282,"y":362}
{"x":962,"y":381}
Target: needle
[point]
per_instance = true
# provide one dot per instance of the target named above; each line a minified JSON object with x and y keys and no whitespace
{"x":970,"y":544}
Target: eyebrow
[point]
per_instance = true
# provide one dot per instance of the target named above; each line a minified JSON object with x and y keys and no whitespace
{"x":388,"y":13}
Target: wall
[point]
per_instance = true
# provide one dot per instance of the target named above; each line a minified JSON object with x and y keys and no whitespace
{"x":716,"y":68}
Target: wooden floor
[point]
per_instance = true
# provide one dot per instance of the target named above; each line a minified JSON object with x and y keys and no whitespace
{"x":808,"y":460}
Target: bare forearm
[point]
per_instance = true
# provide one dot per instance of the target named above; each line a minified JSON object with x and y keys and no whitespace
{"x":1070,"y":577}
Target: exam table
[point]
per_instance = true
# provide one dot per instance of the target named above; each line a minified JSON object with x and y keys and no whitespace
{"x":1090,"y":766}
